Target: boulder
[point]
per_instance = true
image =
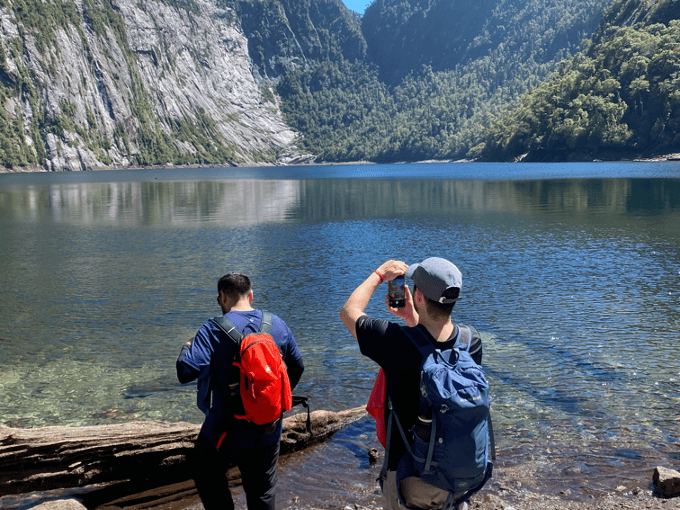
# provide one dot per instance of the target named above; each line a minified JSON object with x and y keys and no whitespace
{"x":667,"y":482}
{"x":61,"y":504}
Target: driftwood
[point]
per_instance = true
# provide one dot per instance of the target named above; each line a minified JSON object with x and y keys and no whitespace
{"x":62,"y":457}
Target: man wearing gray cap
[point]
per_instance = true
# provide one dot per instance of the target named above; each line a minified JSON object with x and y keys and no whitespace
{"x":437,"y":285}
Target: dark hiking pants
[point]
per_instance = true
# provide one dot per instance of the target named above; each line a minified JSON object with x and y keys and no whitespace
{"x":256,"y":462}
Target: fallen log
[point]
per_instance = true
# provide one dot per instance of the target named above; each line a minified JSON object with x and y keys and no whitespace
{"x":63,"y":457}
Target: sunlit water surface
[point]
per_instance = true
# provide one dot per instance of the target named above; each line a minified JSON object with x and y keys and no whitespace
{"x":571,"y":273}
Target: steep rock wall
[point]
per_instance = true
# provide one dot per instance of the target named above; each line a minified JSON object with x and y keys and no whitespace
{"x":116,"y":83}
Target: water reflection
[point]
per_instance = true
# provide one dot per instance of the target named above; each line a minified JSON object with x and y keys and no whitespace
{"x":258,"y":201}
{"x":152,"y":203}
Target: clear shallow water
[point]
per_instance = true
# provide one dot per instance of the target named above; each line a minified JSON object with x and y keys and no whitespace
{"x":571,"y":272}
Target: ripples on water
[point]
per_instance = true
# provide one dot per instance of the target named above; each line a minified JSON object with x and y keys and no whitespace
{"x":573,"y":282}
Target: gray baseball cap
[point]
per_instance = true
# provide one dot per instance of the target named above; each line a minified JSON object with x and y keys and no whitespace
{"x":437,"y":278}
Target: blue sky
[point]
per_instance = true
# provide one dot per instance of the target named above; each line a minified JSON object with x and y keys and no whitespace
{"x":357,"y":5}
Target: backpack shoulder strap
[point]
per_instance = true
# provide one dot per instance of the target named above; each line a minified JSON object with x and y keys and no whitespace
{"x":421,"y":341}
{"x":228,"y":328}
{"x":463,"y":342}
{"x":492,"y":439}
{"x":267,"y":321}
{"x":425,"y":347}
{"x":235,"y":335}
{"x":464,"y":337}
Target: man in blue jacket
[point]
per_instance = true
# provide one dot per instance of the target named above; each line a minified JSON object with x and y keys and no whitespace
{"x":209,"y":358}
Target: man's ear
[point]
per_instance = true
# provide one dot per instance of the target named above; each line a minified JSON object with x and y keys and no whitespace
{"x":250,"y":296}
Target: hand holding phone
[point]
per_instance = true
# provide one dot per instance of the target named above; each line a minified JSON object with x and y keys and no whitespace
{"x":397,"y":292}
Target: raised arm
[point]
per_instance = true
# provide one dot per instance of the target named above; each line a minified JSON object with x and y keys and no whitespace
{"x":358,"y":301}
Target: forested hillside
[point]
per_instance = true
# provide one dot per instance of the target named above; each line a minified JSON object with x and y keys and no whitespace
{"x":619,"y":98}
{"x":437,"y":74}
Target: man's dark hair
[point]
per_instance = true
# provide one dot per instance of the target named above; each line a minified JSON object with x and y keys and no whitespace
{"x":435,"y":309}
{"x":234,"y":285}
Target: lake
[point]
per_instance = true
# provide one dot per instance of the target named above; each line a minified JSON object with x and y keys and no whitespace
{"x":570,"y":271}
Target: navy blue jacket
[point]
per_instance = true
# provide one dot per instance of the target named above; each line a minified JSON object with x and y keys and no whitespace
{"x":211,"y":346}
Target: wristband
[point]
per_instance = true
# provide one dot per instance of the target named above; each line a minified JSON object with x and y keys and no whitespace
{"x":382,"y":277}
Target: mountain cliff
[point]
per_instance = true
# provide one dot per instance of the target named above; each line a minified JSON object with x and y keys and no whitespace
{"x":284,"y":35}
{"x":404,"y":35}
{"x":89,"y":84}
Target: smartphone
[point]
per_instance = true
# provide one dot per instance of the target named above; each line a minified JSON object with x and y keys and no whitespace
{"x":396,"y":290}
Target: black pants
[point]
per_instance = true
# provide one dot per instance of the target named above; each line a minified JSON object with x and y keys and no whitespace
{"x":257,"y":460}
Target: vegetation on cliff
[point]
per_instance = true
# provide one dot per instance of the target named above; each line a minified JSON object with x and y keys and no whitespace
{"x":285,"y":35}
{"x":620,"y":97}
{"x":437,"y":74}
{"x":123,"y":83}
{"x":39,"y":25}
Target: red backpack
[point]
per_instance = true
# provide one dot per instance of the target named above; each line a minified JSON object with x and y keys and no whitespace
{"x":264,"y":385}
{"x":376,"y":405}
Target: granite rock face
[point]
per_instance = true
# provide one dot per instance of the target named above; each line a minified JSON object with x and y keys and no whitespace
{"x":289,"y":34}
{"x":116,"y":83}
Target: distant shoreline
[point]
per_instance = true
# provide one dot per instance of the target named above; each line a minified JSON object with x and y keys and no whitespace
{"x":522,"y":159}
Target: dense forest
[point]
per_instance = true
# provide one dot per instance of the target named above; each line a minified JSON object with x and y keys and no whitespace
{"x":288,"y":34}
{"x":437,"y":74}
{"x":619,"y":98}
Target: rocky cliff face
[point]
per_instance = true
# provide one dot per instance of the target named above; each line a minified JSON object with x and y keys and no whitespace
{"x":116,"y":83}
{"x":293,"y":33}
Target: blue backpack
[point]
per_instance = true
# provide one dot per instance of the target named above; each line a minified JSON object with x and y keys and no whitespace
{"x":451,"y":451}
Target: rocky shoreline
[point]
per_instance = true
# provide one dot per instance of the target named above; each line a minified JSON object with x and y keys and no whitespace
{"x":515,"y":486}
{"x":510,"y":494}
{"x":339,"y":473}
